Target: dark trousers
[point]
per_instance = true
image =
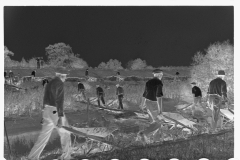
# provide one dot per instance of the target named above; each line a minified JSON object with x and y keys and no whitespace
{"x":120,"y":98}
{"x":100,"y":96}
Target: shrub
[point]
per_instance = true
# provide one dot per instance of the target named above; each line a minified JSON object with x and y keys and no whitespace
{"x":219,"y":56}
{"x":111,"y":64}
{"x":79,"y":63}
{"x":137,"y":64}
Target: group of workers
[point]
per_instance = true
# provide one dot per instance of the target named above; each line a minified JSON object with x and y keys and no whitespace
{"x":101,"y":94}
{"x":54,"y":117}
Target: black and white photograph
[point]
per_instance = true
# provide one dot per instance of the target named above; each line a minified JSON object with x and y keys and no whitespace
{"x":123,"y":82}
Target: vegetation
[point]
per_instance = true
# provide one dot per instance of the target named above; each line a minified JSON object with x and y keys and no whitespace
{"x":219,"y":56}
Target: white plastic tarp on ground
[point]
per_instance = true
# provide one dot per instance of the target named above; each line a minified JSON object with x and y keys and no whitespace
{"x":227,"y":114}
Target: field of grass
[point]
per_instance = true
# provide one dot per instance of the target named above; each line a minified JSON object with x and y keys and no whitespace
{"x":27,"y":105}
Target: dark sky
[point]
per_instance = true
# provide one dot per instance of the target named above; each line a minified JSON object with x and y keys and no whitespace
{"x":161,"y":35}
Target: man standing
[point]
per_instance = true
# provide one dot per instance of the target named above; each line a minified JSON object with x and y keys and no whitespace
{"x":81,"y":90}
{"x":11,"y":75}
{"x":86,"y":73}
{"x":5,"y":75}
{"x":120,"y":94}
{"x":41,"y":62}
{"x":38,"y":63}
{"x":217,"y":94}
{"x":152,"y":98}
{"x":197,"y":96}
{"x":100,"y":95}
{"x":53,"y":117}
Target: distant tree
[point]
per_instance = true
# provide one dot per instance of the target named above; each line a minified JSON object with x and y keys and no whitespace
{"x":32,"y":62}
{"x":7,"y":59}
{"x":102,"y":65}
{"x":219,"y":56}
{"x":79,"y":63}
{"x":137,"y":64}
{"x":111,"y":64}
{"x":59,"y":55}
{"x":24,"y":63}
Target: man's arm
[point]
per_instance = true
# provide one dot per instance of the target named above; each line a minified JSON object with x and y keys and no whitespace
{"x":143,"y":102}
{"x":224,"y":90}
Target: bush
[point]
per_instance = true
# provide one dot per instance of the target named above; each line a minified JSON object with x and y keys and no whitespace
{"x":79,"y":63}
{"x":219,"y":56}
{"x":111,"y":64}
{"x":137,"y":64}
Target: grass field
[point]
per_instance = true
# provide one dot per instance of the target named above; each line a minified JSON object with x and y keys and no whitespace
{"x":23,"y":109}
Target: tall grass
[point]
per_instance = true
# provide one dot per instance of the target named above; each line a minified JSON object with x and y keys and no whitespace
{"x":25,"y":103}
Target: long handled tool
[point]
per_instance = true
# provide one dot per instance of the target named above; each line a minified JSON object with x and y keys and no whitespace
{"x":10,"y":152}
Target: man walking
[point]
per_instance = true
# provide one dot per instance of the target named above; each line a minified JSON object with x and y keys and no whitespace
{"x":53,"y":117}
{"x":152,"y":99}
{"x":120,"y":94}
{"x":81,"y":90}
{"x":100,"y":95}
{"x":197,"y":96}
{"x":217,"y":94}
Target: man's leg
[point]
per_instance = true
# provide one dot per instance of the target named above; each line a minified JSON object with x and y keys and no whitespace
{"x":84,"y":96}
{"x":65,"y":140}
{"x":120,"y":102}
{"x":98,"y":100}
{"x":44,"y":136}
{"x":102,"y":100}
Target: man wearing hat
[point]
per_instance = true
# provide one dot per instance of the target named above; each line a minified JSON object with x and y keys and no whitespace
{"x":217,"y":94}
{"x":100,"y":95}
{"x":197,"y":96}
{"x":33,"y":74}
{"x":81,"y":90}
{"x":152,"y":98}
{"x":120,"y":93}
{"x":53,"y":117}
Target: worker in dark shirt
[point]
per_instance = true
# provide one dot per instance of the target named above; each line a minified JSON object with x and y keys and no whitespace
{"x":120,"y":94}
{"x":217,"y":94}
{"x":86,"y":73}
{"x":197,"y":96}
{"x":152,"y":98}
{"x":100,"y":95}
{"x":81,"y":90}
{"x":53,"y":117}
{"x":33,"y":73}
{"x":44,"y":82}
